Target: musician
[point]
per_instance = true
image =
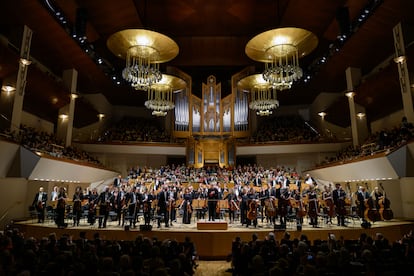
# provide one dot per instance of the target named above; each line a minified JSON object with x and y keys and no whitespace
{"x":376,"y":196}
{"x":54,"y":193}
{"x":338,"y":196}
{"x":363,"y":197}
{"x":313,"y":206}
{"x":117,"y":202}
{"x":187,"y":206}
{"x":77,"y":205}
{"x":212,"y":198}
{"x":131,"y":201}
{"x":173,"y":196}
{"x":104,"y":201}
{"x":233,"y":202}
{"x":283,"y":203}
{"x":92,"y":199}
{"x":163,"y":203}
{"x":146,"y":206}
{"x":299,"y":208}
{"x":39,"y":203}
{"x":60,"y":208}
{"x":252,"y":203}
{"x":329,"y":204}
{"x":118,"y":181}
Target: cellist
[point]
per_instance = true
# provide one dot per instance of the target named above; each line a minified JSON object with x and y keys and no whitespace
{"x":329,"y":206}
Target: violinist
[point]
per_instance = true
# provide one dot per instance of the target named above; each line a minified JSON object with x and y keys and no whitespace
{"x":339,"y":196}
{"x":212,"y":197}
{"x":233,"y":202}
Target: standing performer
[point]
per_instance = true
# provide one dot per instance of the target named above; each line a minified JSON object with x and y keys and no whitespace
{"x":118,"y":200}
{"x":131,"y":201}
{"x":233,"y":202}
{"x":187,"y":206}
{"x":92,"y":199}
{"x":339,"y":196}
{"x":252,"y":205}
{"x":213,"y":196}
{"x":313,"y":206}
{"x":39,"y":203}
{"x":329,"y":206}
{"x":104,"y":202}
{"x":163,"y":202}
{"x":363,"y":198}
{"x":146,"y":206}
{"x":77,"y":206}
{"x":283,"y":203}
{"x":60,"y":208}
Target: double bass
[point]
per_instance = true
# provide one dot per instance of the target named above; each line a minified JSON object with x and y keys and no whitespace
{"x":384,"y":203}
{"x":371,"y":212}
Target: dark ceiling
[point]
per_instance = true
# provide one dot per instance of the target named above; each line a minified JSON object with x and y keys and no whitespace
{"x":211,"y":36}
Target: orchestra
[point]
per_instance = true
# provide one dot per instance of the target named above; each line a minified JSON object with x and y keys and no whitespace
{"x":234,"y":199}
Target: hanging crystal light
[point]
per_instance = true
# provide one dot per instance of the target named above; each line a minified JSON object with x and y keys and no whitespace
{"x":280,"y":50}
{"x":160,"y":95}
{"x":143,"y":51}
{"x":263,"y":97}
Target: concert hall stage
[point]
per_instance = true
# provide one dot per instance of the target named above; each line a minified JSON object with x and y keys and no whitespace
{"x":213,"y":240}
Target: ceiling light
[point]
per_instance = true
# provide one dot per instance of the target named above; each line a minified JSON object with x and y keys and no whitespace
{"x":143,"y":50}
{"x":263,"y":96}
{"x":322,"y":114}
{"x":280,"y":50}
{"x":8,"y":88}
{"x":160,"y":95}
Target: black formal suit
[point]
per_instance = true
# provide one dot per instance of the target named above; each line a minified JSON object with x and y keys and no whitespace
{"x":39,"y":202}
{"x":163,"y":211}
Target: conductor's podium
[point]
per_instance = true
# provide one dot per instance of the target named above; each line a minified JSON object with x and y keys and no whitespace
{"x":212,"y":225}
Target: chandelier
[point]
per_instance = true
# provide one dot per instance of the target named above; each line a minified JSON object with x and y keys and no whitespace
{"x":143,"y":50}
{"x":280,"y":50}
{"x":263,"y":96}
{"x":160,"y":95}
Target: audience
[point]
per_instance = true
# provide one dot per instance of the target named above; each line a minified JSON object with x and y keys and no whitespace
{"x":63,"y":256}
{"x":365,"y":256}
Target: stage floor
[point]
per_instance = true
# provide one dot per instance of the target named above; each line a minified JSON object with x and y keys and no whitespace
{"x":213,"y":242}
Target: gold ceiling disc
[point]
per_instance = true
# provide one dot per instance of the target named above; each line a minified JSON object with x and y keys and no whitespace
{"x":161,"y":47}
{"x":262,"y":46}
{"x":169,"y":81}
{"x":253,"y":81}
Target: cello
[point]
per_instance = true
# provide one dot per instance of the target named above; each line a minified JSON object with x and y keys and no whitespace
{"x":252,"y":213}
{"x":384,"y":203}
